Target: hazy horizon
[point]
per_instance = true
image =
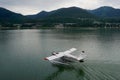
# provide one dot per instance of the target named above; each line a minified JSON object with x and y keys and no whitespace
{"x":28,"y":7}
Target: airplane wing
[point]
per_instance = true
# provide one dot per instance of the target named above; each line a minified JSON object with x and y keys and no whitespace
{"x":61,"y":54}
{"x":55,"y":56}
{"x":70,"y":51}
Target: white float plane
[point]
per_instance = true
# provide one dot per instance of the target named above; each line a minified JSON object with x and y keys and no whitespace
{"x":66,"y":57}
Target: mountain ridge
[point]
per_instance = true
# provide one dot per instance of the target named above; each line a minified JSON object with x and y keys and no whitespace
{"x":73,"y":12}
{"x":9,"y":16}
{"x":61,"y":13}
{"x":106,"y":12}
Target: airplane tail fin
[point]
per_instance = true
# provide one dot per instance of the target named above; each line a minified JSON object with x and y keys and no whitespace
{"x":81,"y":56}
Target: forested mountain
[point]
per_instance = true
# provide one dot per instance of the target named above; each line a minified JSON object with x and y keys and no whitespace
{"x":106,"y":12}
{"x":9,"y":16}
{"x":71,"y":12}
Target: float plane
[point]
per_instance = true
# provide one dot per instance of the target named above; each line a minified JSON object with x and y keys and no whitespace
{"x":66,"y":57}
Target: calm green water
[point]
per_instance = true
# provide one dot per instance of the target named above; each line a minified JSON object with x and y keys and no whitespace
{"x":22,"y":53}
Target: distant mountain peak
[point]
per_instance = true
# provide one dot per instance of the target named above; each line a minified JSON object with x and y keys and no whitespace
{"x":106,"y":12}
{"x":9,"y":16}
{"x":43,"y":11}
{"x":106,"y":8}
{"x":70,"y":12}
{"x":74,"y":7}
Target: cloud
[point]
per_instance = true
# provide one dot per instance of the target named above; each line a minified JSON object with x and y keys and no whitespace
{"x":35,"y":6}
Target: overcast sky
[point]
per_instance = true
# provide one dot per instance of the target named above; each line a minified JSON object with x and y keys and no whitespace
{"x":34,"y":6}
